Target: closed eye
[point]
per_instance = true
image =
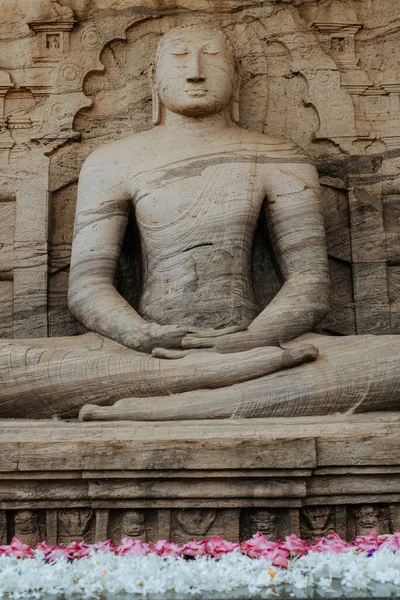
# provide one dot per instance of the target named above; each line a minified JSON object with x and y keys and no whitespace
{"x":210,"y":51}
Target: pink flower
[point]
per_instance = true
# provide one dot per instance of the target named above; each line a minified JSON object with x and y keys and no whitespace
{"x":391,"y":541}
{"x":217,"y":546}
{"x":133,"y":547}
{"x":164,"y":548}
{"x":278,"y":556}
{"x":256,"y":546}
{"x":295,"y":545}
{"x":53,"y":553}
{"x":194,"y":548}
{"x":17,"y":549}
{"x":107,"y":546}
{"x":331,"y":543}
{"x":371,"y":541}
{"x":78,"y":550}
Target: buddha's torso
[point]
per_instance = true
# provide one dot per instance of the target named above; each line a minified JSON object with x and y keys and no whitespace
{"x":197,"y":203}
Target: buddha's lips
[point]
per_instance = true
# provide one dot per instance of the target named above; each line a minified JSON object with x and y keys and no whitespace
{"x":196,"y":92}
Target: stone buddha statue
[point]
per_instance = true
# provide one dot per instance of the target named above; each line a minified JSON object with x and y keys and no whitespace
{"x":197,"y":345}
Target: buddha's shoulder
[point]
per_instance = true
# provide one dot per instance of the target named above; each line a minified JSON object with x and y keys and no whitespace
{"x":275,"y":148}
{"x":120,"y":150}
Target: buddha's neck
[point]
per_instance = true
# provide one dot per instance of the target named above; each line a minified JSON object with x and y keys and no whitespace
{"x":183,"y":125}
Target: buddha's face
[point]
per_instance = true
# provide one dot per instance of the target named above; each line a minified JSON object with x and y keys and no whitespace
{"x":195,"y":72}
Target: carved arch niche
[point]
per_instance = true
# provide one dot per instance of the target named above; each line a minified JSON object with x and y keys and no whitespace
{"x":275,"y":85}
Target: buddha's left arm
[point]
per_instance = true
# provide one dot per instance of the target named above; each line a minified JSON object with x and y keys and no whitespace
{"x":298,"y":238}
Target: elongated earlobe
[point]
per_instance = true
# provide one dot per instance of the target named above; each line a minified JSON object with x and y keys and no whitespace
{"x":157,"y":106}
{"x":157,"y":109}
{"x":235,"y":111}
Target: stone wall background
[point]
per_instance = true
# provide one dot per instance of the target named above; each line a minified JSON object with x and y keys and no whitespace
{"x":324,"y":74}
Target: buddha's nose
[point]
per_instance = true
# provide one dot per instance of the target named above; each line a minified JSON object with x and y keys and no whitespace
{"x":194,"y":72}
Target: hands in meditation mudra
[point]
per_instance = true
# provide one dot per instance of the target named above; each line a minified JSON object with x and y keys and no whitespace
{"x":198,"y":346}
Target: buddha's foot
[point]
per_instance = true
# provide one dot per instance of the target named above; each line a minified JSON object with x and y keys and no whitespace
{"x":152,"y":408}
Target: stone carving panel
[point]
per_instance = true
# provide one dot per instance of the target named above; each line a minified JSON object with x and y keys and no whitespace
{"x":273,"y":523}
{"x":75,"y":524}
{"x":29,"y":526}
{"x":190,"y":523}
{"x":264,"y":520}
{"x":364,"y":518}
{"x":136,"y":524}
{"x":201,"y":523}
{"x":320,"y":520}
{"x":182,"y":524}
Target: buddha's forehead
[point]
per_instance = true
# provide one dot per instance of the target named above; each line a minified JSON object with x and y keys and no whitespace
{"x":194,"y":37}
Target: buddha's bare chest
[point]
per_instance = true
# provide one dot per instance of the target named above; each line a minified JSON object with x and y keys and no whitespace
{"x":180,"y":201}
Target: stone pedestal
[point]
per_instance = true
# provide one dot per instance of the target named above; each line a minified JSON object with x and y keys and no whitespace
{"x":62,"y":481}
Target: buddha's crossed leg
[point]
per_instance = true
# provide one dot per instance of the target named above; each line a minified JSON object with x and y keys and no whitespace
{"x":43,"y":377}
{"x":351,"y":374}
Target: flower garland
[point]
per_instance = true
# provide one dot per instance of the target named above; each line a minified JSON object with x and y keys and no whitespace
{"x":212,"y":566}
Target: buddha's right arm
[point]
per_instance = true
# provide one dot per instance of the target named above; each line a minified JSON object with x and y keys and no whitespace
{"x":100,"y":223}
{"x":101,"y":220}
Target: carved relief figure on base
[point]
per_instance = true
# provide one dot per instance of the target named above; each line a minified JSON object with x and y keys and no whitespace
{"x":367,"y":519}
{"x":26,"y":527}
{"x":198,"y":345}
{"x":74,"y":524}
{"x":133,"y":524}
{"x":316,"y":521}
{"x":192,"y":523}
{"x":264,"y":521}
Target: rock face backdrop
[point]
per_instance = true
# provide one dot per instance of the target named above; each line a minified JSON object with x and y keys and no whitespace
{"x":325,"y":74}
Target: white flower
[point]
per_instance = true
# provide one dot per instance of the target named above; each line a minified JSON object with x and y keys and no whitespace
{"x":108,"y":574}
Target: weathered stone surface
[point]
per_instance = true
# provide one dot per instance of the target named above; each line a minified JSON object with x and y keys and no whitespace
{"x":277,"y":103}
{"x":75,"y":75}
{"x":193,"y":293}
{"x":109,"y":484}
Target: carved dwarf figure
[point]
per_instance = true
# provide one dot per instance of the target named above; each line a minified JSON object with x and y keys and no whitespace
{"x":264,"y":521}
{"x":316,"y":521}
{"x":198,"y":345}
{"x":367,"y":517}
{"x":133,"y":524}
{"x":26,"y":527}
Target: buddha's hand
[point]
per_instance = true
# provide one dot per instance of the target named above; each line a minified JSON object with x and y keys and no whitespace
{"x":205,"y":335}
{"x":228,"y":342}
{"x":224,"y":341}
{"x":153,"y":335}
{"x":239,"y":341}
